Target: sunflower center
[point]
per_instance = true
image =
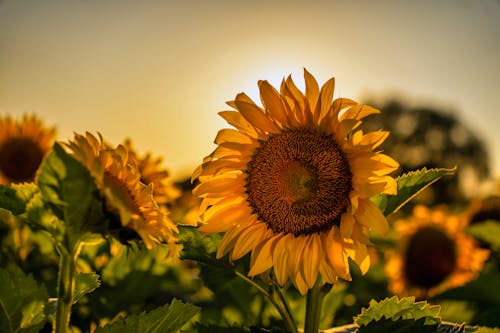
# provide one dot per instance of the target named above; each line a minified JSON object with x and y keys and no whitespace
{"x":19,"y":159}
{"x":299,"y":182}
{"x":430,"y":257}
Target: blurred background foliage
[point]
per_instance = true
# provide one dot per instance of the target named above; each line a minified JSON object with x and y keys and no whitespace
{"x":429,"y":136}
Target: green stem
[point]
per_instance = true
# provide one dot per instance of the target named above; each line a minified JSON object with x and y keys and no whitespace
{"x":65,"y":288}
{"x":314,"y":303}
{"x":282,"y":308}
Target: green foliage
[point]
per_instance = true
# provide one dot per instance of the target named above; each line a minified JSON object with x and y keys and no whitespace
{"x":22,"y":302}
{"x":487,"y":231}
{"x":71,"y":193}
{"x":398,"y":315}
{"x":15,"y":197}
{"x":165,"y":319}
{"x":85,"y":283}
{"x":409,"y":186}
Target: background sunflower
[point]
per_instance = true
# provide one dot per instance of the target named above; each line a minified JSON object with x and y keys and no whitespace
{"x":433,"y":253}
{"x":23,"y":144}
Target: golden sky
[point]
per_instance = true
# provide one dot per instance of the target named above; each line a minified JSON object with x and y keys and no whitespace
{"x":159,"y":71}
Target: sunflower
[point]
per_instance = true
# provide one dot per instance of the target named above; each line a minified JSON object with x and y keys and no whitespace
{"x":23,"y":144}
{"x":152,"y":172}
{"x":484,"y":209}
{"x":433,"y":253}
{"x":119,"y":183}
{"x":291,"y":184}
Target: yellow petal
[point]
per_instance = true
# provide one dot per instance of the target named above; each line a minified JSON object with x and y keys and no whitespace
{"x":359,"y":253}
{"x":231,"y":135}
{"x":262,"y":257}
{"x":344,"y":127}
{"x":223,"y":165}
{"x":281,"y":259}
{"x":220,"y":185}
{"x":327,"y":272}
{"x":226,"y":218}
{"x":300,"y":284}
{"x":369,"y":215}
{"x":346,"y":224}
{"x":311,"y":258}
{"x":229,"y":239}
{"x":335,"y":254}
{"x":359,"y":112}
{"x":312,"y":90}
{"x":272,"y":102}
{"x":374,"y":139}
{"x":237,"y":120}
{"x":248,"y":239}
{"x":326,"y":98}
{"x":256,"y":116}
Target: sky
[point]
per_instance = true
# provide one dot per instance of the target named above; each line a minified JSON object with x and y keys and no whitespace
{"x":158,"y":72}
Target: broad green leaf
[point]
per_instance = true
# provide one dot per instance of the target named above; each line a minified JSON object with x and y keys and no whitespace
{"x":220,"y":276}
{"x":70,"y":189}
{"x":164,"y":319}
{"x":40,"y":215}
{"x":409,"y":185}
{"x":85,"y":283}
{"x":22,"y":302}
{"x":407,"y":326}
{"x":15,"y":197}
{"x":395,"y":309}
{"x":202,"y":249}
{"x":488,"y":232}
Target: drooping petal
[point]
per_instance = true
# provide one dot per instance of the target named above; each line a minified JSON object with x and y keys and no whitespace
{"x":370,"y":216}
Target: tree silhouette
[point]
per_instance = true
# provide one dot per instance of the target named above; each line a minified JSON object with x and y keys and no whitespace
{"x":427,"y":137}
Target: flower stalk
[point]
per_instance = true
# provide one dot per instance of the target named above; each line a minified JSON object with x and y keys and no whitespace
{"x":314,"y":304}
{"x":65,"y":288}
{"x":283,"y":309}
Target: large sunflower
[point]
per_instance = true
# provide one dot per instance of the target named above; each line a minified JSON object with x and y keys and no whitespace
{"x":119,"y":183}
{"x":152,"y":172}
{"x":291,"y":184}
{"x":23,"y":144}
{"x":433,"y":253}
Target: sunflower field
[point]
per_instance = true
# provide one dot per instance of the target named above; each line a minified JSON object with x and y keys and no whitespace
{"x":296,"y":222}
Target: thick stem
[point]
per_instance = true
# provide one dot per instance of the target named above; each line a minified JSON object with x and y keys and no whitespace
{"x":65,"y":289}
{"x":284,"y":311}
{"x":314,"y":303}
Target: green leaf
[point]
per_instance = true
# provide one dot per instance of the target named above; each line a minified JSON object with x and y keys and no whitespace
{"x":15,"y":197}
{"x":85,"y":283}
{"x":71,"y":192}
{"x":40,"y":215}
{"x":487,"y":231}
{"x":395,"y":315}
{"x":22,"y":302}
{"x":165,"y":319}
{"x":202,"y":248}
{"x":409,"y":186}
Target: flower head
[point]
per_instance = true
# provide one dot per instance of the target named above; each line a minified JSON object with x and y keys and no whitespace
{"x":23,"y":144}
{"x":433,"y":253}
{"x":118,"y":180}
{"x":291,"y":183}
{"x":152,"y":172}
